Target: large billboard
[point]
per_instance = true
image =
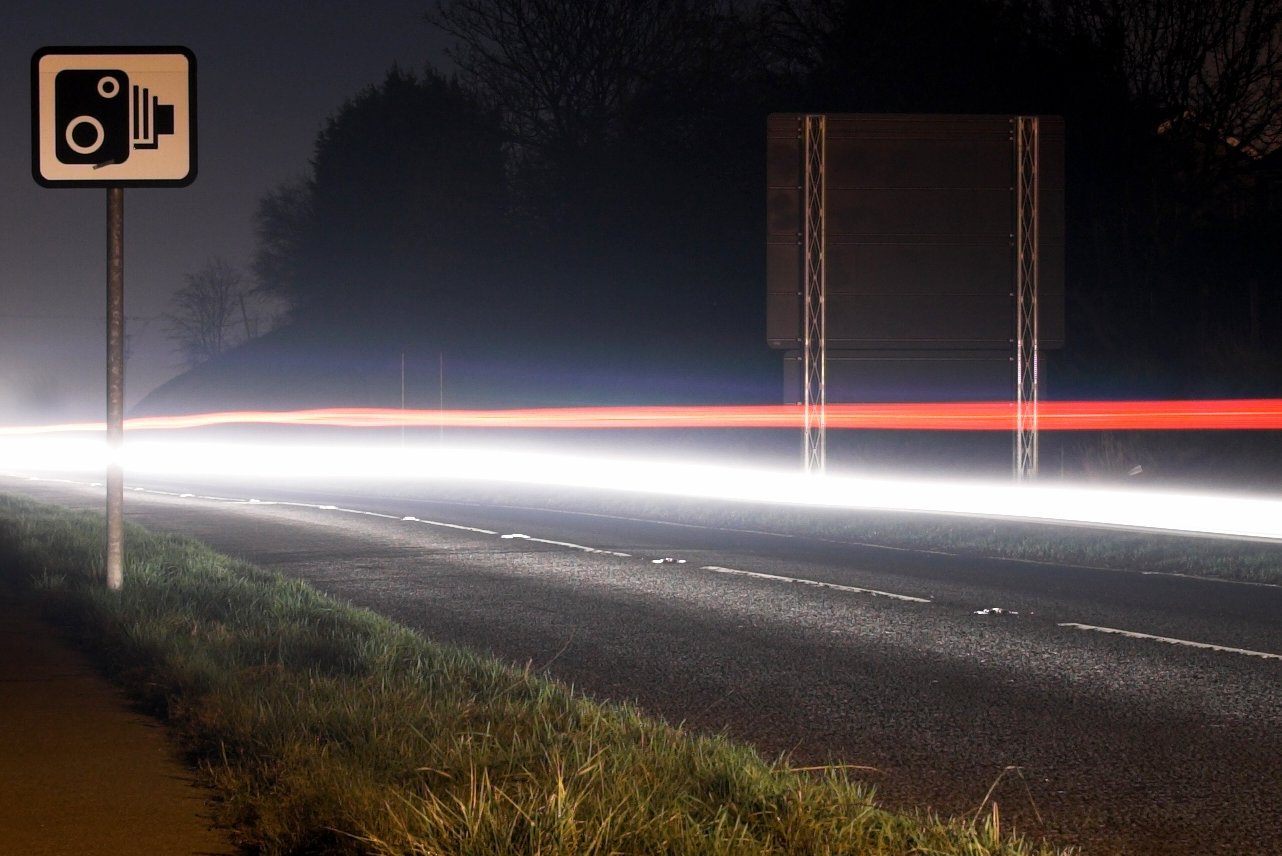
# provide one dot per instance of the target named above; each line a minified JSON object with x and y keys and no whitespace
{"x":919,"y":228}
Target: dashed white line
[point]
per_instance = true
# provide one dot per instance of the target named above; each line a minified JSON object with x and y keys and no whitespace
{"x":1131,"y":634}
{"x":444,"y":525}
{"x":782,"y":579}
{"x":567,"y":544}
{"x":519,"y":537}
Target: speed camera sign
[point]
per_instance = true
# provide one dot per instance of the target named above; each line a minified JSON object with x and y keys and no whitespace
{"x":113,"y":117}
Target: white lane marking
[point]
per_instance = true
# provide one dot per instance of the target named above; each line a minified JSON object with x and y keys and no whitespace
{"x":1168,"y":640}
{"x":519,"y":537}
{"x":478,"y":530}
{"x":444,"y":525}
{"x":777,"y":578}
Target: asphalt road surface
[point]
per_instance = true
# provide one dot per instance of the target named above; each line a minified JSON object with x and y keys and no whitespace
{"x":945,"y":676}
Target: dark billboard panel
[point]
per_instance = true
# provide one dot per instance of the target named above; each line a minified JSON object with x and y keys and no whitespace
{"x":919,"y":230}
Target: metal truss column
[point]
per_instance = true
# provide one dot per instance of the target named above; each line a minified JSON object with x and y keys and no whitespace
{"x":1026,"y":286}
{"x":814,"y":337}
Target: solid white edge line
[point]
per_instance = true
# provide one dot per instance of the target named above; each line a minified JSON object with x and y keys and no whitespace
{"x":1170,"y":641}
{"x":781,"y":579}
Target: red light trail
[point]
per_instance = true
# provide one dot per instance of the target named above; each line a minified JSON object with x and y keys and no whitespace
{"x":1197,"y":415}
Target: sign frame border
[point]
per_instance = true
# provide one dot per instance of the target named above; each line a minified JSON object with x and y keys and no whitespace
{"x":73,"y":50}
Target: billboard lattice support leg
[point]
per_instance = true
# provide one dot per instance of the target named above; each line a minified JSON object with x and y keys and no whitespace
{"x":1026,"y":287}
{"x":814,"y":344}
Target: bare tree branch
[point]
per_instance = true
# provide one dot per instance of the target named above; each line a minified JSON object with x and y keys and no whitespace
{"x":561,"y":70}
{"x":1214,"y":64}
{"x":213,"y":312}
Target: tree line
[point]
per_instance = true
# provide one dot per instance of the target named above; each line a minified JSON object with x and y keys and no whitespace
{"x":590,"y":176}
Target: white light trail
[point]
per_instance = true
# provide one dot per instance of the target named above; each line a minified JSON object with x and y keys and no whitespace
{"x":1225,"y":515}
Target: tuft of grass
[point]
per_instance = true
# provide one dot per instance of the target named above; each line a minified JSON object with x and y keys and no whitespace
{"x":328,"y":728}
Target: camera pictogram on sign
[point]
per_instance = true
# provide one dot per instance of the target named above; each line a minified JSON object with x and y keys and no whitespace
{"x":113,"y":116}
{"x":99,"y":118}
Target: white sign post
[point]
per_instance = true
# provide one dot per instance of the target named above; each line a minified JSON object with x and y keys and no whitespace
{"x":115,"y":118}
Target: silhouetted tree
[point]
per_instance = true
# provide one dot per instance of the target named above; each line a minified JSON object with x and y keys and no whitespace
{"x":593,"y":177}
{"x":401,"y":214}
{"x":1212,"y":65}
{"x":213,"y":312}
{"x":282,"y":221}
{"x":915,"y":56}
{"x":560,"y":71}
{"x":636,"y":128}
{"x":1177,"y":222}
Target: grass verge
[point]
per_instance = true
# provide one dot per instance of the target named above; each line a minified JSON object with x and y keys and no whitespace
{"x":329,"y":729}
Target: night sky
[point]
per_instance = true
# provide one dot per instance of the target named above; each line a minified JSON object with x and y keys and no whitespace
{"x":268,"y":74}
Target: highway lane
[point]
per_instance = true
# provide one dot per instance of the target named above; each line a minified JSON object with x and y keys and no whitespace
{"x":955,"y":674}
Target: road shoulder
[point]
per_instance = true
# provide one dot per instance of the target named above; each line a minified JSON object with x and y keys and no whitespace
{"x":83,"y":772}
